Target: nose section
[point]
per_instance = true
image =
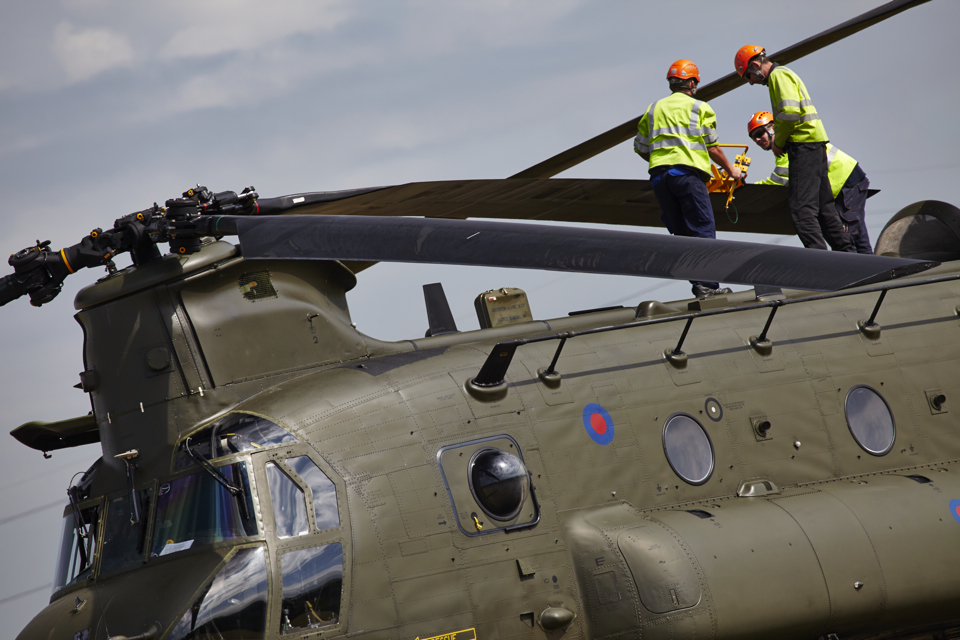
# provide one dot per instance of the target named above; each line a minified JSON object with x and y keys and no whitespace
{"x":76,"y":615}
{"x":139,"y":603}
{"x":155,"y":594}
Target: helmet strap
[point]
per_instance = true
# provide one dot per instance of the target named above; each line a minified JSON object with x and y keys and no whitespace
{"x":761,"y":59}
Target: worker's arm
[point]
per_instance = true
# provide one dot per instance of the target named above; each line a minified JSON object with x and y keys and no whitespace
{"x":641,"y":144}
{"x":708,"y":129}
{"x":775,"y":179}
{"x":781,"y":173}
{"x":717,"y":155}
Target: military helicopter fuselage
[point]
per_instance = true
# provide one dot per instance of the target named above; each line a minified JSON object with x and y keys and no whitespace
{"x":269,"y":472}
{"x":778,"y":462}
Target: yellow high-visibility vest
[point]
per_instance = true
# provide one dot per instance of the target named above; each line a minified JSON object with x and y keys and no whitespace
{"x":682,"y":130}
{"x":793,"y":111}
{"x":781,"y":173}
{"x":839,"y":168}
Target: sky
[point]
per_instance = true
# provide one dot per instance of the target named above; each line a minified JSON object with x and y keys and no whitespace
{"x":108,"y":106}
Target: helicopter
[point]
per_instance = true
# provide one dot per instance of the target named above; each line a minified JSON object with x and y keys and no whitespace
{"x":532,"y":493}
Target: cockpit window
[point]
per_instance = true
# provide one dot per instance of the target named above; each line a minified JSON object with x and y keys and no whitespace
{"x":234,"y":433}
{"x":234,"y":605}
{"x":123,"y":534}
{"x":312,"y":587}
{"x":324,"y":491}
{"x":197,"y":509}
{"x":289,"y":507}
{"x":78,"y":544}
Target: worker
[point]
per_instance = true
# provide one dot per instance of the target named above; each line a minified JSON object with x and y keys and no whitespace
{"x":848,"y":182}
{"x":800,"y":135}
{"x":678,"y":137}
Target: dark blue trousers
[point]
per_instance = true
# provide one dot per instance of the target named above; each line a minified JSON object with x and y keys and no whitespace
{"x":851,"y":204}
{"x":686,"y":208}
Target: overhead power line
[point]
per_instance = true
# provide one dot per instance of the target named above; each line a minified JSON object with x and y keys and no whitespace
{"x":24,"y":514}
{"x":23,"y":594}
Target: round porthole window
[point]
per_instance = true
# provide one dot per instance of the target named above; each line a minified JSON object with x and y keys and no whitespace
{"x":498,"y":481}
{"x":870,"y":420}
{"x":688,"y":448}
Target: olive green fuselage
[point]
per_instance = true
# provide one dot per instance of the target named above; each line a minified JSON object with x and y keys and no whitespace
{"x":824,"y":536}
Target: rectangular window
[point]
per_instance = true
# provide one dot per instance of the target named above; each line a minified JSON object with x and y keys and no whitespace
{"x":197,"y":509}
{"x":323,"y":490}
{"x":123,"y":539}
{"x":289,"y":507}
{"x":78,"y":544}
{"x":233,"y":606}
{"x":312,"y":587}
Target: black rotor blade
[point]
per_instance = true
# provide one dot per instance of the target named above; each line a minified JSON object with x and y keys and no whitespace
{"x":554,"y":248}
{"x":609,"y":139}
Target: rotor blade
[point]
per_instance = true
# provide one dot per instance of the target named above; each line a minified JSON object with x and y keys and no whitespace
{"x":554,"y":248}
{"x":594,"y":146}
{"x":761,"y":208}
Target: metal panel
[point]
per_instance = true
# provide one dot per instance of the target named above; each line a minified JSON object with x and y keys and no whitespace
{"x":665,"y":578}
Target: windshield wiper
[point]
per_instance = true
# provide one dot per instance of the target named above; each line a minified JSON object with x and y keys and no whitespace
{"x":242,"y":495}
{"x":79,"y":525}
{"x":209,"y":468}
{"x":236,"y":491}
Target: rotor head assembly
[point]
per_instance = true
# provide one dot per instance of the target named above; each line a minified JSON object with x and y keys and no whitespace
{"x":40,"y":272}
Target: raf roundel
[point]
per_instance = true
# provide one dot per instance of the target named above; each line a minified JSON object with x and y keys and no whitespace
{"x":955,"y":509}
{"x":598,"y":423}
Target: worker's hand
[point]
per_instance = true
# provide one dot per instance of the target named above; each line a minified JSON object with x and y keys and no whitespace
{"x":777,"y":151}
{"x":735,"y":173}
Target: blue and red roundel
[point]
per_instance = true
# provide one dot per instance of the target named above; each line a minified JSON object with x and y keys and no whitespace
{"x":598,"y":423}
{"x":955,"y":509}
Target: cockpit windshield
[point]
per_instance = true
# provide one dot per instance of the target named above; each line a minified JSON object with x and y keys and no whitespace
{"x":234,"y":605}
{"x":123,"y":535}
{"x":197,"y":509}
{"x":78,"y":543}
{"x":234,"y":433}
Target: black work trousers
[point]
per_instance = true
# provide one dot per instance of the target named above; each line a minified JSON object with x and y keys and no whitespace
{"x":811,"y":198}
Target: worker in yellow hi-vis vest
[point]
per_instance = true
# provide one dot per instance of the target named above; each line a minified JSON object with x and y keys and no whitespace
{"x":848,"y":182}
{"x":800,"y":134}
{"x":678,"y":137}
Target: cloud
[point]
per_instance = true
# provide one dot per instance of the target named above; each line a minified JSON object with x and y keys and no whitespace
{"x":242,"y":25}
{"x":85,"y":53}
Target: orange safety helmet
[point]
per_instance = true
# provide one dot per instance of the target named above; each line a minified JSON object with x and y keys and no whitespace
{"x":759,"y":119}
{"x":683,"y":70}
{"x":742,"y":59}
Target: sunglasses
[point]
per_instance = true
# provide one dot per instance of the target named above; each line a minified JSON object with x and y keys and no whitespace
{"x":758,"y":133}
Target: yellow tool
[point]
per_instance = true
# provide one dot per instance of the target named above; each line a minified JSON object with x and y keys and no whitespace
{"x":721,"y":182}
